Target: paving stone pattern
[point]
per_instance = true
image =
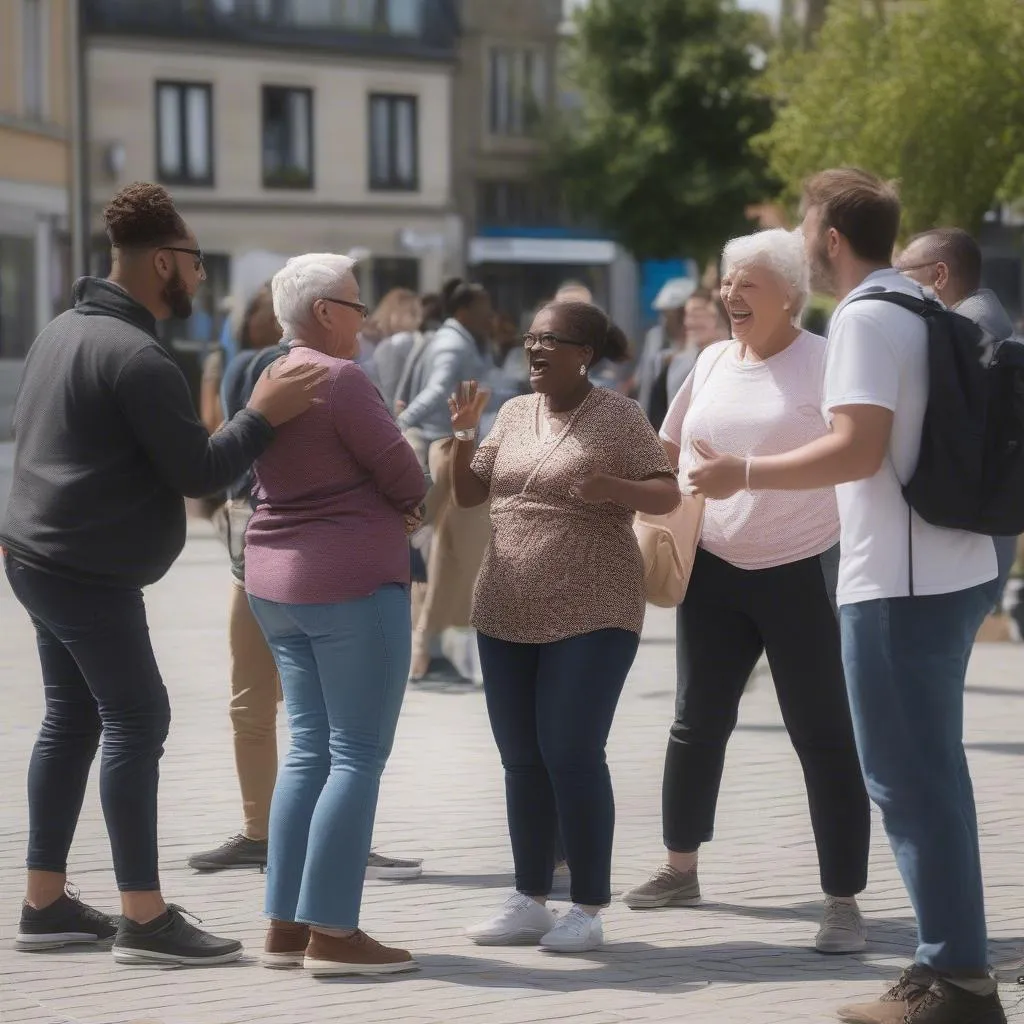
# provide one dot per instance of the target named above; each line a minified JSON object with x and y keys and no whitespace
{"x":744,"y":956}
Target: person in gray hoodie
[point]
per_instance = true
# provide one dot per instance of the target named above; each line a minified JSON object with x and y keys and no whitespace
{"x":948,"y":261}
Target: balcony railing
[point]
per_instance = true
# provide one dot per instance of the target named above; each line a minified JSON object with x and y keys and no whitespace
{"x":425,"y":28}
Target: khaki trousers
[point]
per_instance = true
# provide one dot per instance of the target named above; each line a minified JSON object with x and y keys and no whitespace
{"x":255,"y":691}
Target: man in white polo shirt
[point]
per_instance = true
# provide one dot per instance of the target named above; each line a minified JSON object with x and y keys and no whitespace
{"x":912,"y":597}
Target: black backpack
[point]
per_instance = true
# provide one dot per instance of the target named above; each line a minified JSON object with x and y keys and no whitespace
{"x":970,"y":473}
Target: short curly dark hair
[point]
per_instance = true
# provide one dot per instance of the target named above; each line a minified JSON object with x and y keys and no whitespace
{"x":585,"y":324}
{"x":143,"y":214}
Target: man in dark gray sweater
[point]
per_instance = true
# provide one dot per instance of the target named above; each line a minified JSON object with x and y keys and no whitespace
{"x":107,"y":442}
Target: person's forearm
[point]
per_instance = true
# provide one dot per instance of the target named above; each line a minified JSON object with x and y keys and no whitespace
{"x":656,"y":496}
{"x":830,"y":460}
{"x":468,"y":490}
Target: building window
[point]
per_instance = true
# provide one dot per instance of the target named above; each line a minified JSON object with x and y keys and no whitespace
{"x":34,"y":38}
{"x":404,"y":17}
{"x":517,"y":203}
{"x":184,"y":118}
{"x":394,"y":143}
{"x":287,"y":137}
{"x":399,"y":17}
{"x":517,"y":91}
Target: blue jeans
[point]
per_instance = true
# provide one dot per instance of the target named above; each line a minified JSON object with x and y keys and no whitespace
{"x":551,"y":708}
{"x":343,"y":671}
{"x":906,"y":664}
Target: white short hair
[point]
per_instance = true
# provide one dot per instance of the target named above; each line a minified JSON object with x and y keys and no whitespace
{"x":302,"y":281}
{"x":779,"y":250}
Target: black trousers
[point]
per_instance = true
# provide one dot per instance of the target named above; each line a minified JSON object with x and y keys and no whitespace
{"x":729,"y":618}
{"x":99,"y":675}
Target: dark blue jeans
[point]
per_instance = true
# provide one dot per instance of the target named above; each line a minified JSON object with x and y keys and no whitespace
{"x":906,"y":664}
{"x":551,"y":708}
{"x":99,"y":674}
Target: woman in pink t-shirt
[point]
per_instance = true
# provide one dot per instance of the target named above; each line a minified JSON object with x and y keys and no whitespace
{"x":763,"y":583}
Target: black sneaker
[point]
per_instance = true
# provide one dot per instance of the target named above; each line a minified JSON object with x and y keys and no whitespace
{"x":64,"y":922}
{"x":946,"y":1003}
{"x":170,"y":939}
{"x":238,"y":852}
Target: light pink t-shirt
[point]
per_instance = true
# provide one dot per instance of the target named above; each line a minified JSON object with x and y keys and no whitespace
{"x":745,"y":407}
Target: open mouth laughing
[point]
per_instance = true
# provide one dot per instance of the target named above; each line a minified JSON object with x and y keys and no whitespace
{"x":538,"y":364}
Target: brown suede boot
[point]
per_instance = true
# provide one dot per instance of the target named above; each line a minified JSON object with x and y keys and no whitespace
{"x":899,"y":1001}
{"x":328,"y":955}
{"x":285,"y":945}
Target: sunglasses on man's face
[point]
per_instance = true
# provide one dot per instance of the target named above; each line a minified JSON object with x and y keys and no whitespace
{"x":196,"y":254}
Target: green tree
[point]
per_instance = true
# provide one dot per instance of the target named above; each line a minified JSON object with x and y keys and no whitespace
{"x":929,"y":92}
{"x":658,"y":151}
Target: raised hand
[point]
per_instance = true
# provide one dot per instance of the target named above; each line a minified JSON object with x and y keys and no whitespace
{"x":467,"y":405}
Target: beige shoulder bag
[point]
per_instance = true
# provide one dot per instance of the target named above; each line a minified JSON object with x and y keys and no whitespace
{"x":668,"y":543}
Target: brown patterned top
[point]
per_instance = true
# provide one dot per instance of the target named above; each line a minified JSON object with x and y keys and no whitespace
{"x":557,"y":566}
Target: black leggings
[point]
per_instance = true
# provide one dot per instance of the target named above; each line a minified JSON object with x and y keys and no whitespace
{"x":730,"y":616}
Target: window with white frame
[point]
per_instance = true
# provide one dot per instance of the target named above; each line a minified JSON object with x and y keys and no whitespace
{"x":34,"y":40}
{"x":184,"y":119}
{"x":394,"y":143}
{"x":517,"y":90}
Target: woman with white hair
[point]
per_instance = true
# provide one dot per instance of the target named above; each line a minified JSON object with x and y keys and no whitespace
{"x":763,"y":581}
{"x":327,"y":573}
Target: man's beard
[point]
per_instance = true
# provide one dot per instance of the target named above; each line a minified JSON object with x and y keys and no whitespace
{"x":823,"y":278}
{"x":176,"y":295}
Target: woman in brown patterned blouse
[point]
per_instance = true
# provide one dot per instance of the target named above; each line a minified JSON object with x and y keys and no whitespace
{"x":559,"y":606}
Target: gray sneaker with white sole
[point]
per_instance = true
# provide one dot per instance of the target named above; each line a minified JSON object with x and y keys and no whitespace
{"x":665,"y":888}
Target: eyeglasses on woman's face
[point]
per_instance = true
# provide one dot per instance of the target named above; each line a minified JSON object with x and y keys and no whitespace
{"x":549,"y":341}
{"x":362,"y":310}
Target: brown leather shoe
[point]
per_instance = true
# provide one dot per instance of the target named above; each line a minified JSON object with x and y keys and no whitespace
{"x":285,"y":945}
{"x":328,"y":955}
{"x":894,"y":1006}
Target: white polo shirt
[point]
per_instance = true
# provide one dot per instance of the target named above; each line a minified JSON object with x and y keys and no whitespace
{"x":878,"y":355}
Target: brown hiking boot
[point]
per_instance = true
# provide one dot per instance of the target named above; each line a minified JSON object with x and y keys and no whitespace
{"x":328,"y":955}
{"x":946,"y":1003}
{"x":285,"y":945}
{"x":894,"y":1006}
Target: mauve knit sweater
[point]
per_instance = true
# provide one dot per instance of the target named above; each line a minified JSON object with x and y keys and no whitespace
{"x":332,"y":493}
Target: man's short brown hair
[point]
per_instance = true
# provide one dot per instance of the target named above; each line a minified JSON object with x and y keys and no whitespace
{"x":864,"y":209}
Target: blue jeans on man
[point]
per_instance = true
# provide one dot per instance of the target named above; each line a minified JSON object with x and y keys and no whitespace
{"x":906,"y":663}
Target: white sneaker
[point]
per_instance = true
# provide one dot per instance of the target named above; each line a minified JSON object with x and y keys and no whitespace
{"x":575,"y":933}
{"x":521,"y":922}
{"x":842,"y":928}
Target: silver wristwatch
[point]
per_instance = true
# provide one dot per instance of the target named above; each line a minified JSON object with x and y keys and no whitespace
{"x":465,"y":435}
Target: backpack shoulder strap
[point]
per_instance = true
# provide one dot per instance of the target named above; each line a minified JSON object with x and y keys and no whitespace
{"x":911,"y":303}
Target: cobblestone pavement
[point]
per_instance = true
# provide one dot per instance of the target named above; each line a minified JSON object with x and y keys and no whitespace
{"x":743,"y":956}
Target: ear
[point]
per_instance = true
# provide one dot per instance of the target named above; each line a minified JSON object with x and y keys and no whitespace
{"x":941,"y":275}
{"x":834,"y":241}
{"x":163,"y":264}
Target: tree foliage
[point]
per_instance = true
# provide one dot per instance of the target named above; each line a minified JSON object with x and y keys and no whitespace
{"x":929,"y":92}
{"x":659,"y":150}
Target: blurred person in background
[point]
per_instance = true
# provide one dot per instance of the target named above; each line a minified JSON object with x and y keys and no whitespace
{"x":701,"y":322}
{"x":255,"y":687}
{"x":458,"y":350}
{"x":327,"y":573}
{"x":397,"y":322}
{"x":948,"y":262}
{"x":669,"y":304}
